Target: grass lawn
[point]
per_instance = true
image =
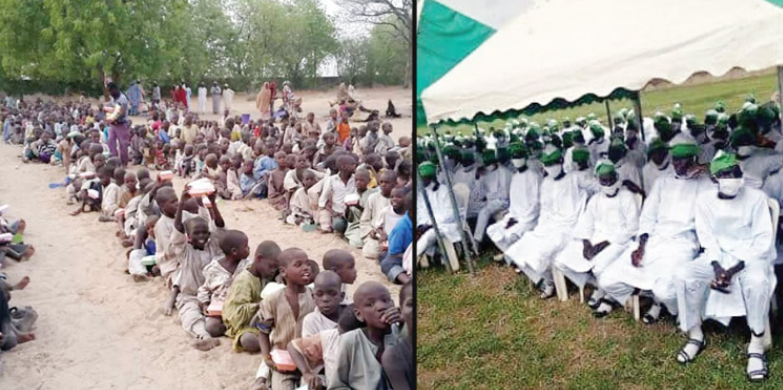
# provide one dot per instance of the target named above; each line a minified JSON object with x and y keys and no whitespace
{"x":491,"y":331}
{"x":695,"y":99}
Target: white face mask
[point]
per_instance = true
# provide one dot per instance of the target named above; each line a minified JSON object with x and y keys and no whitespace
{"x":744,"y":151}
{"x":730,"y":187}
{"x":612,"y":189}
{"x":518,"y":162}
{"x":554,"y":170}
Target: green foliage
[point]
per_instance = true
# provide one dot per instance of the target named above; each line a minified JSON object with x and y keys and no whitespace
{"x":78,"y":42}
{"x":381,"y":58}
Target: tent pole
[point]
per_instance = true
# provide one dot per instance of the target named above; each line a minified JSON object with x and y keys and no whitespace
{"x":454,"y":207}
{"x":439,"y":237}
{"x":780,"y":84}
{"x":637,"y":106}
{"x":608,"y":115}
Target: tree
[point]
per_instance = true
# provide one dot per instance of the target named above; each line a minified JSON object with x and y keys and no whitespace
{"x":352,"y":60}
{"x":395,"y":14}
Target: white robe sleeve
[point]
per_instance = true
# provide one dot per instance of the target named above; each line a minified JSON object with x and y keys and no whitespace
{"x":585,"y":227}
{"x":761,"y":227}
{"x":650,"y":210}
{"x":704,"y":230}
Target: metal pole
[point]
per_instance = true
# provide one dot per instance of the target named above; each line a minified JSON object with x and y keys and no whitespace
{"x":610,"y":125}
{"x":439,"y":237}
{"x":453,"y":199}
{"x":637,"y":106}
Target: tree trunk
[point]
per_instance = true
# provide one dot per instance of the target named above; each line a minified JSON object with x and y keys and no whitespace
{"x":406,"y":83}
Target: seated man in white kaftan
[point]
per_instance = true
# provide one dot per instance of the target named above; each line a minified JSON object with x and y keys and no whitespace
{"x":734,"y":276}
{"x":494,"y":183}
{"x":603,"y":233}
{"x":666,"y":238}
{"x":563,"y":198}
{"x":440,"y":202}
{"x":524,"y":201}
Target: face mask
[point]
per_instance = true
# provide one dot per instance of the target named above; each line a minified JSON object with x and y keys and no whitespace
{"x":612,"y":189}
{"x":553,"y":171}
{"x":730,"y":187}
{"x":744,"y":151}
{"x":518,"y":162}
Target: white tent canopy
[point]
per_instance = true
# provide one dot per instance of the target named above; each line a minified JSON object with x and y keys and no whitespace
{"x":569,"y":48}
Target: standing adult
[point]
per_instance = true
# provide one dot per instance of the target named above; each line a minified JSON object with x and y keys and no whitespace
{"x":264,"y":101}
{"x":188,"y":94}
{"x":202,"y":98}
{"x":134,"y":97}
{"x":228,"y":97}
{"x":155,"y":94}
{"x":216,"y":94}
{"x":118,"y":123}
{"x":273,"y":96}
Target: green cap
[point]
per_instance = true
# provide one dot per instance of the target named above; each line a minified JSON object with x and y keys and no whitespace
{"x":685,"y":150}
{"x":723,"y":118}
{"x":617,"y":143}
{"x":580,"y":155}
{"x":451,"y":152}
{"x":741,"y":136}
{"x":427,"y":170}
{"x":605,"y":168}
{"x":656,"y":144}
{"x":489,"y":156}
{"x":723,"y":161}
{"x":720,"y":106}
{"x":532,"y":134}
{"x":568,"y":139}
{"x":711,"y":117}
{"x":677,"y":113}
{"x":517,"y":150}
{"x":596,"y":129}
{"x":590,"y":117}
{"x":690,"y":119}
{"x":551,"y":155}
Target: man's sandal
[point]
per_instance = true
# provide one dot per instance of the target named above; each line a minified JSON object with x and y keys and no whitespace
{"x":602,"y":314}
{"x":761,"y":374}
{"x":684,"y":358}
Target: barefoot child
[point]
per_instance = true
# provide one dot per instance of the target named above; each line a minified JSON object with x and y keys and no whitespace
{"x":301,"y":212}
{"x":244,"y":297}
{"x":275,"y":186}
{"x":168,"y":203}
{"x":359,"y":351}
{"x":111,"y":194}
{"x":146,"y":248}
{"x":283,"y":312}
{"x":220,"y":273}
{"x":331,"y":204}
{"x":353,"y":212}
{"x":192,"y":247}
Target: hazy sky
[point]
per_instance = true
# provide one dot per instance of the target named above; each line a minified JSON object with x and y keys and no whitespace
{"x":344,"y":28}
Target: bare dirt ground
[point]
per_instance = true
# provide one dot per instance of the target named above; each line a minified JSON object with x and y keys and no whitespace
{"x":97,"y":329}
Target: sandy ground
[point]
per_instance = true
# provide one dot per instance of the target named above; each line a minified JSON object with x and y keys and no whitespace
{"x":97,"y":328}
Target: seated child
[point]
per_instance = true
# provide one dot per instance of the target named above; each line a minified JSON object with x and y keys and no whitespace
{"x":359,"y":351}
{"x":244,"y":296}
{"x":221,"y":181}
{"x":331,"y":204}
{"x":92,"y":190}
{"x":282,"y":314}
{"x":219,"y":274}
{"x":374,"y":214}
{"x":399,"y":240}
{"x":210,"y":169}
{"x":353,"y":212}
{"x":397,"y":360}
{"x":193,"y":252}
{"x":111,"y":193}
{"x":233,"y":184}
{"x":294,"y":177}
{"x":139,"y":271}
{"x":250,"y":186}
{"x":187,"y":164}
{"x":276,"y":191}
{"x":301,"y":212}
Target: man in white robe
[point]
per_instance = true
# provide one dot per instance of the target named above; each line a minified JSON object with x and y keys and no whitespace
{"x":228,"y":97}
{"x":659,"y":164}
{"x":563,"y":198}
{"x":523,"y":202}
{"x":597,"y":144}
{"x":466,"y":174}
{"x":666,"y":238}
{"x":202,"y":98}
{"x":625,"y":170}
{"x":494,"y":184}
{"x":603,"y":233}
{"x":735,"y":275}
{"x":216,"y":95}
{"x":438,"y":195}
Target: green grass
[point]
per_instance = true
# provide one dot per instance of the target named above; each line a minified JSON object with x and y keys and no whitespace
{"x":491,"y":331}
{"x":695,"y":99}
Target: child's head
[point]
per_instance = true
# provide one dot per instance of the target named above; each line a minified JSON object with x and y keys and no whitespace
{"x":98,"y":161}
{"x":234,"y":245}
{"x":295,"y":267}
{"x":372,"y":300}
{"x":197,"y":229}
{"x":341,"y":262}
{"x":309,"y":153}
{"x":346,"y":164}
{"x":95,"y":136}
{"x":236,"y":161}
{"x":387,"y":181}
{"x":387,"y":128}
{"x":391,"y":159}
{"x":333,"y":113}
{"x":188,"y":150}
{"x":142,"y":173}
{"x":265,"y":262}
{"x":269,"y":147}
{"x":145,"y":185}
{"x":329,"y":139}
{"x":211,"y":161}
{"x":290,"y":160}
{"x":149,"y":225}
{"x":94,"y":150}
{"x":300,"y":161}
{"x":406,"y":305}
{"x":167,"y":200}
{"x":105,"y":174}
{"x":308,"y":179}
{"x":280,"y":159}
{"x":398,"y":200}
{"x":327,"y":292}
{"x":404,"y":141}
{"x":288,"y":147}
{"x":362,"y":178}
{"x":225,"y":163}
{"x":404,"y":170}
{"x":247,"y":167}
